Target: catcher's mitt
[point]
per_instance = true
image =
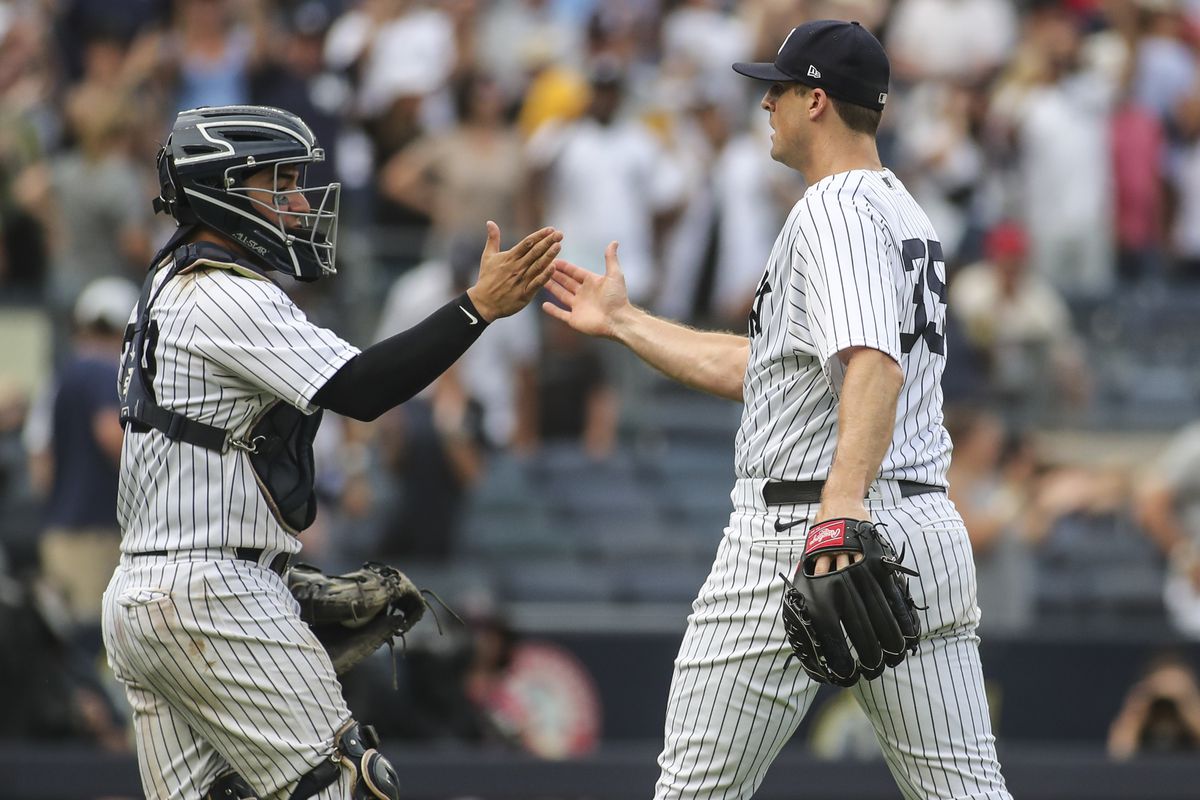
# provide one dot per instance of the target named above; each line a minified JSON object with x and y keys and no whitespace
{"x":869,"y":599}
{"x":356,"y":613}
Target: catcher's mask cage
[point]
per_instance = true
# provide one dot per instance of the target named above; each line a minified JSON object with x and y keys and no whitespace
{"x":203,"y":168}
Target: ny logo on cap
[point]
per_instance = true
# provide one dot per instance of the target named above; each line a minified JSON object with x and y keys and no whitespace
{"x":813,"y":72}
{"x":785,"y":41}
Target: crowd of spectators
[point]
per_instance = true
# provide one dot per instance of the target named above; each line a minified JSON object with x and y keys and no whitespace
{"x":1054,"y":143}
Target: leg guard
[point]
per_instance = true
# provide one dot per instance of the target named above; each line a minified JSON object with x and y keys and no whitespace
{"x":230,"y":786}
{"x":374,"y":776}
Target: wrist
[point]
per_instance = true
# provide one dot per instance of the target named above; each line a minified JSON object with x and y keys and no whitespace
{"x":479,"y":307}
{"x":622,"y":321}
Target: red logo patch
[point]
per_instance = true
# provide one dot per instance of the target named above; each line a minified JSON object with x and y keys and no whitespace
{"x":826,"y":535}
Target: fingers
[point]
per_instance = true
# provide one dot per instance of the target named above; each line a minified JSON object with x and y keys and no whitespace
{"x":560,"y":293}
{"x":528,"y":243}
{"x":571,"y":270}
{"x":823,"y":565}
{"x":843,"y":560}
{"x":563,"y":278}
{"x":543,"y":255}
{"x":493,"y":238}
{"x":560,"y":314}
{"x":612,"y":267}
{"x":540,"y":279}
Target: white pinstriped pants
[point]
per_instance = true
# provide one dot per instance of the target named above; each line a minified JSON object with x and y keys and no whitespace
{"x":733,"y":703}
{"x":221,"y":673}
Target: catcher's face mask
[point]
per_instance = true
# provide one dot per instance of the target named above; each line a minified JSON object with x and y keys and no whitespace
{"x":304,"y":217}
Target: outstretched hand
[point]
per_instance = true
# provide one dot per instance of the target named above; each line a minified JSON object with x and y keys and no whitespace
{"x":590,"y":303}
{"x":509,"y":279}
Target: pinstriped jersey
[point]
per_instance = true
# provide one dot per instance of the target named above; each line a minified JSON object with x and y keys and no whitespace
{"x":856,"y":264}
{"x":224,"y":344}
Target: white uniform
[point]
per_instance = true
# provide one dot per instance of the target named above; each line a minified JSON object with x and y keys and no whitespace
{"x":857,"y":264}
{"x":219,"y":669}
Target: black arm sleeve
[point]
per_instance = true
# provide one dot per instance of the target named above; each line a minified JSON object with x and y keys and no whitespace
{"x":386,"y":374}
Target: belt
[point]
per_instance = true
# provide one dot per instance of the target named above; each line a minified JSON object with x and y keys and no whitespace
{"x":777,"y":493}
{"x":278,"y":565}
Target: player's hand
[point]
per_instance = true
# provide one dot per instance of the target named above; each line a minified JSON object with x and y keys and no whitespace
{"x":591,"y":303}
{"x":509,"y":279}
{"x":831,"y":509}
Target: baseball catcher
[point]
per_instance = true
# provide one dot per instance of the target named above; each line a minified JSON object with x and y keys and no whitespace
{"x":866,"y":604}
{"x":356,"y":613}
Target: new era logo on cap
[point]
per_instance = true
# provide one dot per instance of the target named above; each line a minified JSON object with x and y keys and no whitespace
{"x":813,"y":72}
{"x":882,"y":98}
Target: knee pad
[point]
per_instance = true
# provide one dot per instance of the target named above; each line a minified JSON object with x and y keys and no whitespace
{"x":373,"y":775}
{"x":230,"y":786}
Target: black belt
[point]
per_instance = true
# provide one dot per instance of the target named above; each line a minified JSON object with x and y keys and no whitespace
{"x":778,"y":493}
{"x":278,"y":565}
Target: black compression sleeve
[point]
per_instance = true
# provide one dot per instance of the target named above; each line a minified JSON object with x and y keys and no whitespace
{"x":386,"y":374}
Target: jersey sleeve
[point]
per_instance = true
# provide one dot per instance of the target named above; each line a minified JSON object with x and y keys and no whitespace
{"x":847,"y":278}
{"x":252,"y":329}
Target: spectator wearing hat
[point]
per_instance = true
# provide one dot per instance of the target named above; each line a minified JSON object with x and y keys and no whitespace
{"x":74,"y":439}
{"x":1020,"y":323}
{"x":605,"y":177}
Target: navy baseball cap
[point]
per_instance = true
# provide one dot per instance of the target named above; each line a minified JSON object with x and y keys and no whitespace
{"x":843,"y":58}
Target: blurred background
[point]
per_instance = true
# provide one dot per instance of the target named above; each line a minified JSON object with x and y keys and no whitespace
{"x":564,"y":501}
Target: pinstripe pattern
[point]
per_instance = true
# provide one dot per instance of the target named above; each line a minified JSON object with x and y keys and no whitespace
{"x":837,"y":278}
{"x":228,"y":347}
{"x":219,"y":669}
{"x":856,"y":264}
{"x":733,"y":703}
{"x":220,"y":672}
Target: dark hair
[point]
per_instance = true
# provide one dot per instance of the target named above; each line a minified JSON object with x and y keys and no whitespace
{"x":859,"y":119}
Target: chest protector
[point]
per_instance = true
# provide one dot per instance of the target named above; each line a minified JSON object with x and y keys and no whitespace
{"x":279,"y":444}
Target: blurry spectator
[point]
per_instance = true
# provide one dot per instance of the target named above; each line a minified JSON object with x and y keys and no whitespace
{"x":962,"y":40}
{"x":1057,"y":107}
{"x":513,"y":30}
{"x":576,"y":401}
{"x":1164,"y":69}
{"x":217,"y":44}
{"x":723,"y":237}
{"x":700,"y":39}
{"x":943,"y":162}
{"x":1021,"y":325}
{"x":1139,"y":151}
{"x":991,"y":477}
{"x":1185,"y":179}
{"x":74,"y":446}
{"x":294,"y":78}
{"x":404,"y":52}
{"x":556,"y":92}
{"x":1161,"y":712}
{"x":603,"y":178}
{"x":91,"y":199}
{"x":473,"y":172}
{"x":1169,"y":510}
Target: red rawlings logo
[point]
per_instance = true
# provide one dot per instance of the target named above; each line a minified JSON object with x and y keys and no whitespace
{"x":826,"y":535}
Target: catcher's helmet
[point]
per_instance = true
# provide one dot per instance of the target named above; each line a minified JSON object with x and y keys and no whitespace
{"x":201,"y":173}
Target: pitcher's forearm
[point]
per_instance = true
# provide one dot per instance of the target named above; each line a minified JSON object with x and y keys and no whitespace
{"x":866,"y":420}
{"x":706,"y":360}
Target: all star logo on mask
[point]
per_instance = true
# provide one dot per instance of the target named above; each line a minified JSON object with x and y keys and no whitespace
{"x":246,"y":241}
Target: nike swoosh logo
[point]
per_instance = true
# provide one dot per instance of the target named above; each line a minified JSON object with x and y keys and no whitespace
{"x":470,"y":316}
{"x":781,"y":526}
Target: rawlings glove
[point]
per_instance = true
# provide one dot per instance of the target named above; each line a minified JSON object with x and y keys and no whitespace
{"x":355,"y":614}
{"x":866,"y":604}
